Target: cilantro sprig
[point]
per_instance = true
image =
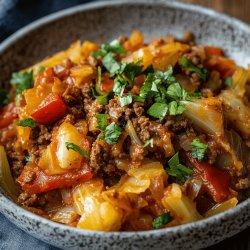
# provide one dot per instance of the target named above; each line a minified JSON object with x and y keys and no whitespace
{"x":176,"y":169}
{"x":198,"y":149}
{"x":76,"y":148}
{"x":111,"y":133}
{"x":22,"y":80}
{"x":102,"y":121}
{"x":29,"y":122}
{"x":202,"y":73}
{"x":162,"y":220}
{"x":113,"y":47}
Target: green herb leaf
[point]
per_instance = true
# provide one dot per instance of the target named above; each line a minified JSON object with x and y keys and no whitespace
{"x":4,"y":98}
{"x":131,"y":70}
{"x":176,"y":108}
{"x":162,"y":220}
{"x":119,"y":85}
{"x":158,"y":110}
{"x":138,"y":99}
{"x":149,"y":69}
{"x":111,"y":64}
{"x":202,"y":73}
{"x":22,"y":80}
{"x":165,"y":77}
{"x":228,"y":81}
{"x":198,"y":149}
{"x":149,"y":142}
{"x":102,"y":99}
{"x":112,"y":133}
{"x":114,"y":47}
{"x":29,"y":122}
{"x":126,"y":100}
{"x":102,"y":120}
{"x":41,"y":69}
{"x":176,"y":169}
{"x":145,"y":90}
{"x":176,"y":92}
{"x":73,"y":146}
{"x":28,"y":158}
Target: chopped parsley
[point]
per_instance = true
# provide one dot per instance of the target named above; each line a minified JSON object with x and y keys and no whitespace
{"x":176,"y":108}
{"x":149,"y":142}
{"x":176,"y":92}
{"x":162,"y":220}
{"x":158,"y":110}
{"x":102,"y":120}
{"x":131,"y":70}
{"x":41,"y":69}
{"x":22,"y":80}
{"x":176,"y":169}
{"x":119,"y":85}
{"x":126,"y":100}
{"x":198,"y":149}
{"x":102,"y":99}
{"x":29,"y":122}
{"x":73,"y":146}
{"x":110,"y":64}
{"x":202,"y":73}
{"x":111,"y":133}
{"x":113,"y":47}
{"x":229,"y":81}
{"x":4,"y":98}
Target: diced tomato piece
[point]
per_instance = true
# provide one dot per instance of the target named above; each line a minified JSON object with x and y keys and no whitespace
{"x":216,"y":181}
{"x":107,"y":85}
{"x":7,"y":114}
{"x":51,"y":109}
{"x":223,"y":65}
{"x":212,"y":50}
{"x":43,"y":183}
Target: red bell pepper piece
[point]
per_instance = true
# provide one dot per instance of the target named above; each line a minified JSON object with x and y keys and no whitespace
{"x":45,"y":76}
{"x":216,"y":181}
{"x":212,"y":50}
{"x":107,"y":85}
{"x":44,"y":183}
{"x":7,"y":114}
{"x":51,"y":109}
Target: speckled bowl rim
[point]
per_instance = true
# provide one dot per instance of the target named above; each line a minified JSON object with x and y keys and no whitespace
{"x":7,"y":204}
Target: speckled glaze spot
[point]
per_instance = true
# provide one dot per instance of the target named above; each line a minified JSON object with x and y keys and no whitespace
{"x":96,"y":22}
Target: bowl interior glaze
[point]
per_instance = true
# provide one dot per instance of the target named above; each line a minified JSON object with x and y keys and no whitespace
{"x":104,"y":21}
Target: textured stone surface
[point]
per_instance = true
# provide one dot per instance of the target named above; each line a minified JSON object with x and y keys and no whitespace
{"x":101,"y":22}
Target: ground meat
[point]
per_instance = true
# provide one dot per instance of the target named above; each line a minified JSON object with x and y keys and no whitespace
{"x":27,"y":199}
{"x":74,"y":98}
{"x":177,"y":123}
{"x":137,"y":152}
{"x":41,"y":135}
{"x":213,"y":150}
{"x":99,"y":155}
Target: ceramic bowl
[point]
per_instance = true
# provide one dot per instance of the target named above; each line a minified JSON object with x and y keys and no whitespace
{"x":101,"y":21}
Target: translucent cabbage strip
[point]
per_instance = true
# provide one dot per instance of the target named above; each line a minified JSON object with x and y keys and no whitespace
{"x":6,"y":180}
{"x":236,"y":112}
{"x":222,"y":207}
{"x":206,"y":114}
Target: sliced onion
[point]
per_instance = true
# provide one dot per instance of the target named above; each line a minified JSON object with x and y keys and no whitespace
{"x":206,"y":114}
{"x":6,"y":179}
{"x":66,"y":194}
{"x":65,"y":215}
{"x":131,"y":131}
{"x":193,"y":187}
{"x":221,"y":207}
